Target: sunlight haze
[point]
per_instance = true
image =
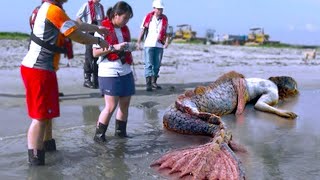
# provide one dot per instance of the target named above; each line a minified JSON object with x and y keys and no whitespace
{"x":287,"y":21}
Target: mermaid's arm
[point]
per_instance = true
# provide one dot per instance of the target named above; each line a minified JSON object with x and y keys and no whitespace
{"x":265,"y":103}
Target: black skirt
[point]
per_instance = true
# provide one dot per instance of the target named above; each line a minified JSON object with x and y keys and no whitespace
{"x":117,"y":86}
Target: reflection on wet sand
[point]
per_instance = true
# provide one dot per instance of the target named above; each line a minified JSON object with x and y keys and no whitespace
{"x":276,"y":145}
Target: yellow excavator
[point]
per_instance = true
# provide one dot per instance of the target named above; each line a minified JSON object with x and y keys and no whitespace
{"x":257,"y":36}
{"x":185,"y":32}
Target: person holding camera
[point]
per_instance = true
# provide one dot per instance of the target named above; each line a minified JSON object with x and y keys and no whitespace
{"x":116,"y":81}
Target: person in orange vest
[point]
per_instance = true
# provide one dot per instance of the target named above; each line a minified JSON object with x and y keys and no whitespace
{"x":38,"y":71}
{"x":91,"y":12}
{"x":154,"y":29}
{"x":66,"y":42}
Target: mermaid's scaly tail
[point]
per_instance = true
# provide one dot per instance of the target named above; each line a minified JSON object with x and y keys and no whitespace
{"x":197,"y":112}
{"x":184,"y":123}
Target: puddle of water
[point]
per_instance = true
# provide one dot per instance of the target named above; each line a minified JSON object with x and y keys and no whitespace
{"x":278,"y":148}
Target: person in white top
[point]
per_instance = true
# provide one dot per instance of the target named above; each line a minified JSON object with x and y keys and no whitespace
{"x":116,"y":80}
{"x":38,"y":72}
{"x":91,"y":12}
{"x":154,"y":29}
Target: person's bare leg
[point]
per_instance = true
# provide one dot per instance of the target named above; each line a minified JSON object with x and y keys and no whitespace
{"x":107,"y":111}
{"x":104,"y":118}
{"x":122,"y":116}
{"x":48,"y":131}
{"x":36,"y":134}
{"x":123,"y":110}
{"x":35,"y":142}
{"x":48,"y":142}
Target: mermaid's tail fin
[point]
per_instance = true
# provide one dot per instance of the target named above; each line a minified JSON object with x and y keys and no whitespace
{"x":213,"y":160}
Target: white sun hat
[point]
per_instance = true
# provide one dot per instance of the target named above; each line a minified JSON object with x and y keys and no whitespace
{"x":158,"y":4}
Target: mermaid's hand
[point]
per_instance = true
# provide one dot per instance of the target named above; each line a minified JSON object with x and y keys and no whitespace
{"x":287,"y":114}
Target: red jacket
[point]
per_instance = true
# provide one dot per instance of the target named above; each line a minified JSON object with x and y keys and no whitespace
{"x":112,"y":39}
{"x":163,"y":33}
{"x":93,"y":12}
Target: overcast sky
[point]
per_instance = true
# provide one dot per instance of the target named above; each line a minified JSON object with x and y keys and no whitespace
{"x":288,"y":21}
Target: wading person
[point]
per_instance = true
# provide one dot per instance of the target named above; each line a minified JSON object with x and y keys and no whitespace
{"x":90,"y":12}
{"x":38,"y":73}
{"x":116,"y":80}
{"x":154,"y":29}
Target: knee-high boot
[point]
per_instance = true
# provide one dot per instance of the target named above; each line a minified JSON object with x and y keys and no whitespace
{"x":100,"y":133}
{"x":36,"y":157}
{"x":154,"y":83}
{"x":87,"y":81}
{"x":148,"y":83}
{"x":95,"y":81}
{"x":121,"y":128}
{"x":49,"y":145}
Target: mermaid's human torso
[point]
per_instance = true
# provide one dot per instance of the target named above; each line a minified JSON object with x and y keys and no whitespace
{"x":262,"y":88}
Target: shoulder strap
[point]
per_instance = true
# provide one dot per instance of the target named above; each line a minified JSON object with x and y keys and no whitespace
{"x":48,"y":46}
{"x":33,"y":16}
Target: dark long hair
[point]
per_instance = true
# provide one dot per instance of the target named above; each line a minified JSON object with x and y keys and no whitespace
{"x":119,"y":8}
{"x":287,"y":86}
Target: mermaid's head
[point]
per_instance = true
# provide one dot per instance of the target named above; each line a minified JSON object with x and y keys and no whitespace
{"x":287,"y":86}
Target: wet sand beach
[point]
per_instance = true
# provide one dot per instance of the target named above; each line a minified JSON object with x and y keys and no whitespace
{"x":278,"y":148}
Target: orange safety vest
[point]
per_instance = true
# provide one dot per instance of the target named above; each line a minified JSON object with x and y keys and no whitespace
{"x":66,"y":42}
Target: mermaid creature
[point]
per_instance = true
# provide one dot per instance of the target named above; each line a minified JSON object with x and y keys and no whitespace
{"x":198,"y":111}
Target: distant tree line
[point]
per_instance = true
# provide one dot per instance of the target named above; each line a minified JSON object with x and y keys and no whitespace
{"x":14,"y":35}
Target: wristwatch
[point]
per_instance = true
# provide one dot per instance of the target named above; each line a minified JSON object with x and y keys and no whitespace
{"x":111,"y":48}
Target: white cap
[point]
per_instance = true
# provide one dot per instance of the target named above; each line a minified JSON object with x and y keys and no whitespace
{"x":158,"y":4}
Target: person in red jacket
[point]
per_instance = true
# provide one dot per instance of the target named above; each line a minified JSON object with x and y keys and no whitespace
{"x":154,"y":29}
{"x":116,"y":80}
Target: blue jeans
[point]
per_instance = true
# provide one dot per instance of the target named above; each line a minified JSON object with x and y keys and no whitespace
{"x":152,"y":61}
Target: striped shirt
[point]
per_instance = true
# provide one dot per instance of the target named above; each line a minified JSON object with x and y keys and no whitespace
{"x":51,"y":24}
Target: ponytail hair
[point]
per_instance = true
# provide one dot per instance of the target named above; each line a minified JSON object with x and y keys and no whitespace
{"x":119,"y":8}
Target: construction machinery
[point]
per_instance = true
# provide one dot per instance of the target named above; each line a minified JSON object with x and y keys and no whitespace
{"x":257,"y":36}
{"x":185,"y":32}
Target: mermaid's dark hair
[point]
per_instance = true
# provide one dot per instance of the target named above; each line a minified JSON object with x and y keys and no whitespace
{"x":287,"y":86}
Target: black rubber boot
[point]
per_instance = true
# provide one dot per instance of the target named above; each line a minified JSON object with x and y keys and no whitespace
{"x":87,"y":81}
{"x":154,"y":83}
{"x":95,"y":81}
{"x":100,"y":136}
{"x":49,"y":145}
{"x":148,"y":83}
{"x":36,"y":157}
{"x":121,"y":129}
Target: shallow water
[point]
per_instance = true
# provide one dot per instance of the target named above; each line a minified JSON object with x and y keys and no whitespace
{"x":278,"y":148}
